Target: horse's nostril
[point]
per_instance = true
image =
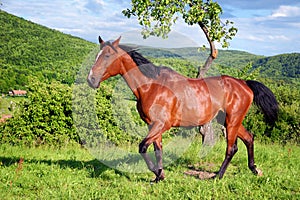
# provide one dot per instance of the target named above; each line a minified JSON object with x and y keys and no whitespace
{"x":91,"y":81}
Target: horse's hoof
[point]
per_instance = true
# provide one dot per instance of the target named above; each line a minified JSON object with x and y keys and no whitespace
{"x":259,"y":172}
{"x":158,"y":179}
{"x":160,"y":175}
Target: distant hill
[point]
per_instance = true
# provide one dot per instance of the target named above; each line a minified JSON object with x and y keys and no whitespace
{"x":279,"y":66}
{"x":31,"y":50}
{"x":229,"y":58}
{"x":284,"y":65}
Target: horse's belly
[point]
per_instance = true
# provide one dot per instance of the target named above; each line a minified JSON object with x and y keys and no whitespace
{"x":187,"y":116}
{"x":198,"y":105}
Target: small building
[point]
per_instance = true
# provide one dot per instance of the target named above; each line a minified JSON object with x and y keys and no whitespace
{"x":4,"y":118}
{"x":17,"y":93}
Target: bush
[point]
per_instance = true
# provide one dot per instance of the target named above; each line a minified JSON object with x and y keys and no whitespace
{"x":44,"y":117}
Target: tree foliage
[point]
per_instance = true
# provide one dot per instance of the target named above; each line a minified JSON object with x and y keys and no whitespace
{"x":157,"y":16}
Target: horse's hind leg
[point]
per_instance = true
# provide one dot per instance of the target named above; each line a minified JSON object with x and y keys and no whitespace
{"x":248,"y":140}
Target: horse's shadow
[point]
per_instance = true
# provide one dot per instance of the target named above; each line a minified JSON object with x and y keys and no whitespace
{"x":95,"y":167}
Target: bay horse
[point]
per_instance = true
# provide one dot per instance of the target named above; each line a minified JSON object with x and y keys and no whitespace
{"x":167,"y":99}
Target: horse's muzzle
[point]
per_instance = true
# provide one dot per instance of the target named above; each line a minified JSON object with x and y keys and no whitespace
{"x":92,"y":82}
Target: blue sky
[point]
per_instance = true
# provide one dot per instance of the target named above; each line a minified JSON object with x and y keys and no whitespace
{"x":267,"y":27}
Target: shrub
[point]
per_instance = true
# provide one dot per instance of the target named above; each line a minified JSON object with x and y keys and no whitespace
{"x":44,"y":117}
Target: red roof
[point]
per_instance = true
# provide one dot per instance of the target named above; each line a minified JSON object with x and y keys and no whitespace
{"x":4,"y":117}
{"x":19,"y":92}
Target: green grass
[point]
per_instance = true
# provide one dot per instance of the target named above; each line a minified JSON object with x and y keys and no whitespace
{"x":72,"y":172}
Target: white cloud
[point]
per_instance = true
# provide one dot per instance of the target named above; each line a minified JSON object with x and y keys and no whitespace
{"x":295,"y":24}
{"x":278,"y":37}
{"x":256,"y":4}
{"x":286,"y":11}
{"x":100,"y":2}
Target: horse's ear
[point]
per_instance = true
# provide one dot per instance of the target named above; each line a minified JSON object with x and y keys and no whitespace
{"x":116,"y":42}
{"x":100,"y":40}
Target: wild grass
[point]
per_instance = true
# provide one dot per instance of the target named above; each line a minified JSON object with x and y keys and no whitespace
{"x":71,"y":172}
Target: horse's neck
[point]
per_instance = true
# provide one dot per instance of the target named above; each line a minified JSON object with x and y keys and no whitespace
{"x":134,"y":78}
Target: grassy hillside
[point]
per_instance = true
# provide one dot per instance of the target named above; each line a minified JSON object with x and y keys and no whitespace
{"x":28,"y":49}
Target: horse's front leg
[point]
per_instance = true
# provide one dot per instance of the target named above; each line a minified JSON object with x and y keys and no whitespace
{"x":154,"y":137}
{"x":160,"y":175}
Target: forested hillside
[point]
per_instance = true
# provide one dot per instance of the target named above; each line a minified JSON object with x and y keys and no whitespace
{"x":284,"y":65}
{"x":229,"y":58}
{"x":31,"y":50}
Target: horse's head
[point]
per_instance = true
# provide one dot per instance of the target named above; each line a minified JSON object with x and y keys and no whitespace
{"x":107,"y":63}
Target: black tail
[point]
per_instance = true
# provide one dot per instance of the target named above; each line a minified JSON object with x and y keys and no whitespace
{"x":265,"y":100}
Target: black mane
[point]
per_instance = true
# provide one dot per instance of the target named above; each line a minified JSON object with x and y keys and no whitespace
{"x":145,"y":66}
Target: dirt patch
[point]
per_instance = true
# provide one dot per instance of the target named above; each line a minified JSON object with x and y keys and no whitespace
{"x":203,"y":175}
{"x":201,"y":171}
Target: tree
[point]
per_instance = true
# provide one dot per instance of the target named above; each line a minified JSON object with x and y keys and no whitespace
{"x":157,"y":17}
